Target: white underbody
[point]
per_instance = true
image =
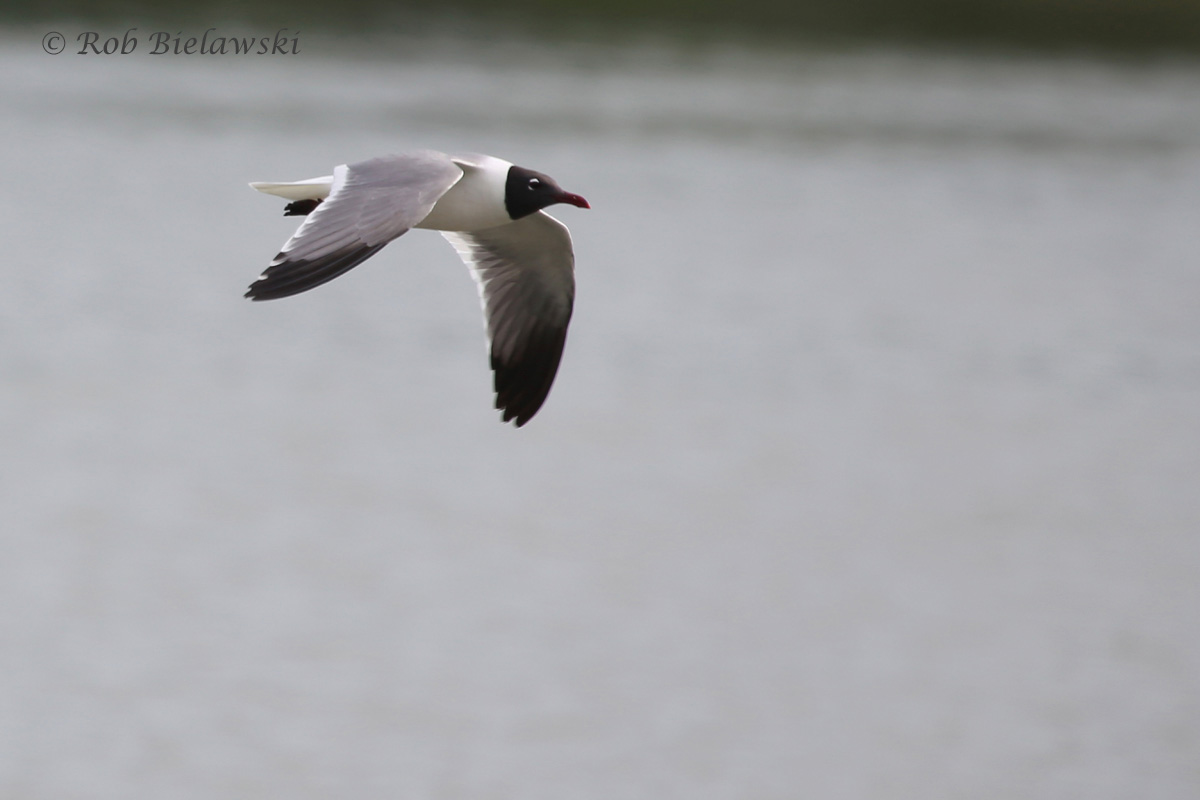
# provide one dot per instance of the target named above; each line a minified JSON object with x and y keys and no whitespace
{"x":475,"y":202}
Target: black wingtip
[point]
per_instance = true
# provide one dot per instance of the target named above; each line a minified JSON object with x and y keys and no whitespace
{"x":523,"y":384}
{"x":286,"y":278}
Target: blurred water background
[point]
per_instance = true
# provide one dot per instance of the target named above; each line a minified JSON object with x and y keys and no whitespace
{"x":871,"y":469}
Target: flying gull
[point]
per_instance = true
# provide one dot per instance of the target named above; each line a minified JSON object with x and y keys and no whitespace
{"x":489,"y":209}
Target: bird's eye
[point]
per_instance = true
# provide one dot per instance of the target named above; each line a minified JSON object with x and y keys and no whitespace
{"x":534,"y":183}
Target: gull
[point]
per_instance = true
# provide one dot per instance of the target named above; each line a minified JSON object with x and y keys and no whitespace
{"x":489,"y":209}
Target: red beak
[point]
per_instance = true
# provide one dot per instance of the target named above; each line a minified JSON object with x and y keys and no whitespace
{"x":573,"y":199}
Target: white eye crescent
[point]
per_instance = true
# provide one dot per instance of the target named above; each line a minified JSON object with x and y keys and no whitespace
{"x":534,"y":183}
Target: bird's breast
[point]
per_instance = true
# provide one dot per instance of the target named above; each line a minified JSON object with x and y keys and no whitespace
{"x":474,"y":203}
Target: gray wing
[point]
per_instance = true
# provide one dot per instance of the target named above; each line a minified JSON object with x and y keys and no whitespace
{"x":371,"y":203}
{"x":525,"y":272}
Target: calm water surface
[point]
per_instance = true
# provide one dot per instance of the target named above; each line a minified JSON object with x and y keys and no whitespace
{"x":871,"y":469}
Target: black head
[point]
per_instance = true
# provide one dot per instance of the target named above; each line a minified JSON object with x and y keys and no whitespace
{"x":527,"y":191}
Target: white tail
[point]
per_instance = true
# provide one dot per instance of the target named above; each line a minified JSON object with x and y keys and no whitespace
{"x":311,"y":189}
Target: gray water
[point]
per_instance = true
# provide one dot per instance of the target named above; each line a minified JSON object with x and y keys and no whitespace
{"x":871,"y":470}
